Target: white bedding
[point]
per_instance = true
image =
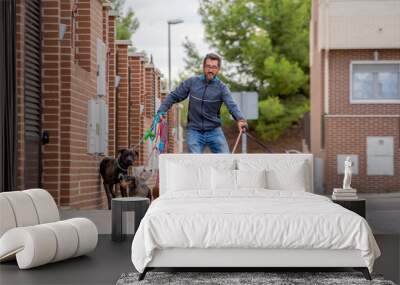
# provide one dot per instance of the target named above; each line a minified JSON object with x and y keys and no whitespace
{"x":251,"y":218}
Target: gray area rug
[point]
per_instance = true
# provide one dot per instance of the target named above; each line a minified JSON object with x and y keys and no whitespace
{"x":273,"y":278}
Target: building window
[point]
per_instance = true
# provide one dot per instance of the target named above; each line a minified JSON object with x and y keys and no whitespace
{"x":375,"y":82}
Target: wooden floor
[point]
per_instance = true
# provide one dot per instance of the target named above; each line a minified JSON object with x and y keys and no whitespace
{"x":110,"y":259}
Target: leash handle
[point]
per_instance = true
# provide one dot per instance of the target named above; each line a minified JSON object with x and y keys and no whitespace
{"x":237,"y":140}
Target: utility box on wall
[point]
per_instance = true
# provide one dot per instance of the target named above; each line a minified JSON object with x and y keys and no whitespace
{"x":101,"y":68}
{"x":97,"y":126}
{"x":380,"y":156}
{"x":92,"y":127}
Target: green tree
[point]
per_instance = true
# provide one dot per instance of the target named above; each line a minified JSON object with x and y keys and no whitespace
{"x":266,"y":42}
{"x":127,"y":24}
{"x":193,"y":60}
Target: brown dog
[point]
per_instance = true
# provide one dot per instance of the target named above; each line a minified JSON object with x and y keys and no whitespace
{"x":136,"y":185}
{"x":112,"y":171}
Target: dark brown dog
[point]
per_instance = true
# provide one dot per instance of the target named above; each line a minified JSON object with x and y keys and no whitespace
{"x":112,"y":171}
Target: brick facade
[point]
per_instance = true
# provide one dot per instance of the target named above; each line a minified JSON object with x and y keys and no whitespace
{"x":69,"y":81}
{"x":347,"y":125}
{"x":51,"y":97}
{"x":111,"y":68}
{"x":80,"y":184}
{"x":136,"y":66}
{"x":122,"y":102}
{"x":20,"y":45}
{"x":349,"y":136}
{"x":339,"y":83}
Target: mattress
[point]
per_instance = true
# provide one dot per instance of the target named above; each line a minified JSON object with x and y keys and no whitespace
{"x":250,"y":219}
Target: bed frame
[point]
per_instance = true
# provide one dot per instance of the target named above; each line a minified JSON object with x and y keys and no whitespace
{"x":242,"y":259}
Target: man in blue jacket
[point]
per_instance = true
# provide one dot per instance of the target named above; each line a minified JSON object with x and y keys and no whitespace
{"x":206,"y":94}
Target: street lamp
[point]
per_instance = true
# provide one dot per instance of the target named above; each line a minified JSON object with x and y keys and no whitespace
{"x":172,"y":22}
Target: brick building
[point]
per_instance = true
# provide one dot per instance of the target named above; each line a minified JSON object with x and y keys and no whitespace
{"x":83,"y":90}
{"x":355,"y":92}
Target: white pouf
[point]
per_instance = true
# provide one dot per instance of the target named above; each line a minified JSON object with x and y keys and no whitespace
{"x":31,"y":232}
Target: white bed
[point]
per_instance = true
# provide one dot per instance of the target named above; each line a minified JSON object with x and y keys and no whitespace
{"x":202,"y":220}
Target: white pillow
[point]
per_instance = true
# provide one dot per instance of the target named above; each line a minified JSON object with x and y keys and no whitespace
{"x":223,"y":179}
{"x":183,"y":177}
{"x":282,"y":174}
{"x":251,"y":178}
{"x":291,"y":179}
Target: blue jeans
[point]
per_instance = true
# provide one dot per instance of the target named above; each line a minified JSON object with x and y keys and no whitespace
{"x":214,"y":139}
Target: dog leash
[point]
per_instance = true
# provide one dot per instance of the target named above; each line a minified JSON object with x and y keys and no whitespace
{"x":259,"y":142}
{"x":237,"y":140}
{"x":251,"y":137}
{"x":152,"y":132}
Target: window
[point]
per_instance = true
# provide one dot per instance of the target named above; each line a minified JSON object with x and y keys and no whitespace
{"x":375,"y":82}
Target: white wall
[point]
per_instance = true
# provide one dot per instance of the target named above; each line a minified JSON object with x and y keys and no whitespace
{"x":358,"y":24}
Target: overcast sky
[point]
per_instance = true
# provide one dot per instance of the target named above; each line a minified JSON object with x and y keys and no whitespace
{"x":152,"y":35}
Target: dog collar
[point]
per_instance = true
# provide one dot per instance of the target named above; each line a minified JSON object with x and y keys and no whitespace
{"x":119,"y":166}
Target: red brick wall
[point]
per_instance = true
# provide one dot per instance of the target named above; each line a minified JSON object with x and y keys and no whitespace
{"x":84,"y":181}
{"x":111,"y":58}
{"x":348,"y":135}
{"x":122,"y":96}
{"x":20,"y":45}
{"x":136,"y":123}
{"x":69,"y":172}
{"x":51,"y":96}
{"x":105,"y":24}
{"x":149,"y":91}
{"x":83,"y":44}
{"x":64,"y":113}
{"x":105,"y":19}
{"x":157,"y":79}
{"x":142,"y":125}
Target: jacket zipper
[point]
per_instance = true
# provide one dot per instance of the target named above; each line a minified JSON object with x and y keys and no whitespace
{"x":202,"y":103}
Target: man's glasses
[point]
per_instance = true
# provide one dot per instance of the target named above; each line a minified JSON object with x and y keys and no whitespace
{"x":211,"y":67}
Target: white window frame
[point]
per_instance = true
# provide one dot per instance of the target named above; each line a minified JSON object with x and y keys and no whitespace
{"x":378,"y":101}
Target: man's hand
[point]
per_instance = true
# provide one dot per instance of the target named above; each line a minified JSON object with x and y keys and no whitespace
{"x":242,"y":124}
{"x":162,"y":115}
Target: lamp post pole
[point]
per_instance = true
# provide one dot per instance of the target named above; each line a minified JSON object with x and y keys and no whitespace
{"x":172,"y":22}
{"x":169,"y":57}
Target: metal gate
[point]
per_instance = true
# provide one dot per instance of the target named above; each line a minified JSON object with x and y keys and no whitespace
{"x":32,"y":96}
